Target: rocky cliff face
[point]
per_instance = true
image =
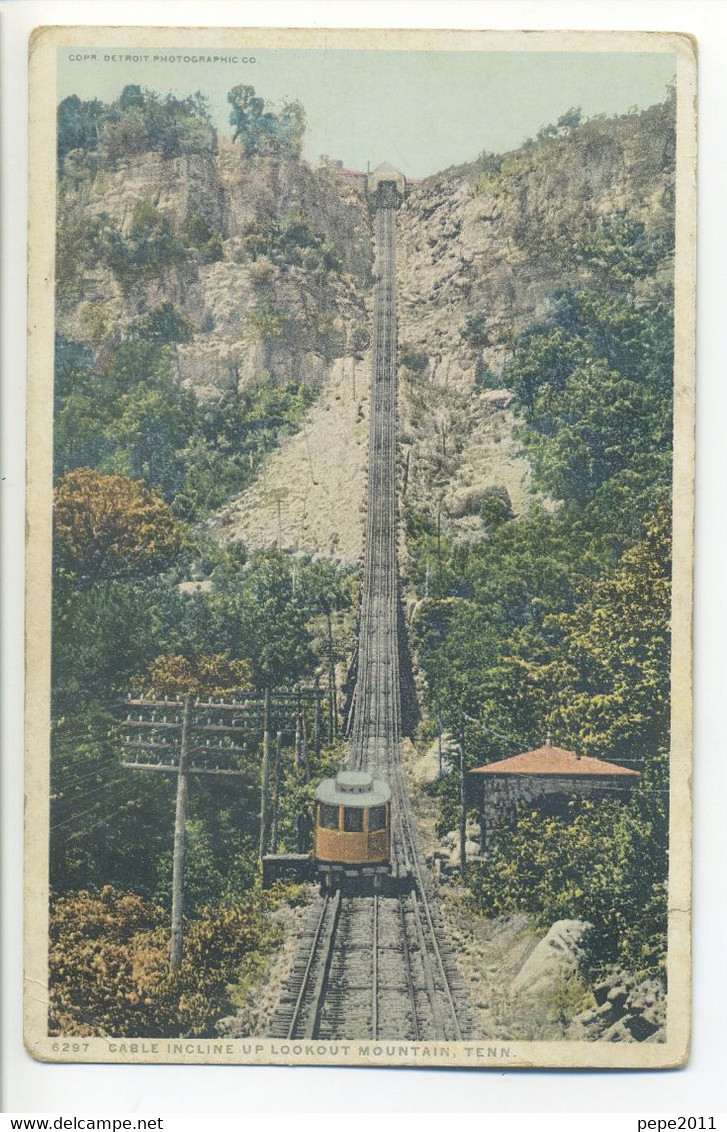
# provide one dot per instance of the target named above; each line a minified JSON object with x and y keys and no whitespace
{"x":480,"y":249}
{"x":282,"y":290}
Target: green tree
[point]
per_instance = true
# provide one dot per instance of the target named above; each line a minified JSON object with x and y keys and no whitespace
{"x":141,"y":121}
{"x":163,"y":326}
{"x":247,"y":116}
{"x":150,"y":248}
{"x":612,"y":676}
{"x":79,"y":125}
{"x":259,"y":608}
{"x":111,"y":526}
{"x":260,"y":130}
{"x":152,"y":424}
{"x":604,"y":863}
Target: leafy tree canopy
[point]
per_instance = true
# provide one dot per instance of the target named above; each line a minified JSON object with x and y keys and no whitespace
{"x":139,"y":121}
{"x":109,"y":526}
{"x":261,"y":130}
{"x":204,"y":675}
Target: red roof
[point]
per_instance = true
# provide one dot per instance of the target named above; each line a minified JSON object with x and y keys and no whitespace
{"x":554,"y":760}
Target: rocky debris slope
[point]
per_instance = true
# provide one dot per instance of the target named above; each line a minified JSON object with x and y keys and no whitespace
{"x":317,"y":478}
{"x":626,"y":1009}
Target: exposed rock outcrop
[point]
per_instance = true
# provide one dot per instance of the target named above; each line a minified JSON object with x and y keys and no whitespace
{"x":481,"y":247}
{"x":627,"y":1009}
{"x":557,"y":956}
{"x":289,"y":317}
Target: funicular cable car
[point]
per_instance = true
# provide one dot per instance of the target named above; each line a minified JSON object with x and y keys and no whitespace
{"x":352,"y":827}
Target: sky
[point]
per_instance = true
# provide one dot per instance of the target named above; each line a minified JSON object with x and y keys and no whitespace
{"x":421,"y":110}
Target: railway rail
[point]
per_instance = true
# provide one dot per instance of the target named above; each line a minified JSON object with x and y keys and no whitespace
{"x":375,"y":966}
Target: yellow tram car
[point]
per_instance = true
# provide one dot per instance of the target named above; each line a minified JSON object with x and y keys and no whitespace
{"x":353,"y":825}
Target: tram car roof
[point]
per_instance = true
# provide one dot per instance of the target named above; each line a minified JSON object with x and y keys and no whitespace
{"x":353,"y":788}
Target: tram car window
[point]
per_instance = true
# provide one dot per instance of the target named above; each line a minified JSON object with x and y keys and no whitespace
{"x":328,"y":817}
{"x":353,"y":820}
{"x":353,"y":823}
{"x":377,"y":818}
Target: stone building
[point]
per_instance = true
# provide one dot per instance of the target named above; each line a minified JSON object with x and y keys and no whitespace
{"x":547,"y":778}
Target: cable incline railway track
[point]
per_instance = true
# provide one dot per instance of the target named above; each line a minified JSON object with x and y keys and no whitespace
{"x":371,"y":965}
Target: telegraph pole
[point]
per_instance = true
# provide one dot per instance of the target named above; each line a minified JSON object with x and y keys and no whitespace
{"x":317,"y":721}
{"x":265,"y":775}
{"x":462,"y":805}
{"x":170,"y":734}
{"x":277,"y":774}
{"x":439,"y":745}
{"x":180,"y":837}
{"x":169,"y":742}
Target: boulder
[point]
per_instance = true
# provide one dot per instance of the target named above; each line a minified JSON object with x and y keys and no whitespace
{"x":556,"y":957}
{"x":639,"y":1027}
{"x":617,"y":1033}
{"x":498,"y":398}
{"x":617,"y":996}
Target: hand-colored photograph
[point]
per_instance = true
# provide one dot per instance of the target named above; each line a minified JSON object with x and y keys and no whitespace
{"x":359,"y":556}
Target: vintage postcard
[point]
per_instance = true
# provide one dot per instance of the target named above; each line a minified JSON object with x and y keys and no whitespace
{"x":360,"y":470}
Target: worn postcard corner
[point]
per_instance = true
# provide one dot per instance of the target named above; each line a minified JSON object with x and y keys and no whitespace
{"x":359,"y":565}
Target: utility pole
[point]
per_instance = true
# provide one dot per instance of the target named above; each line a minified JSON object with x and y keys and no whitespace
{"x":301,"y":761}
{"x":462,"y":805}
{"x":332,"y":693}
{"x":278,"y":497}
{"x":180,"y":837}
{"x":317,"y":723}
{"x":265,"y":775}
{"x":439,"y":536}
{"x":298,"y":737}
{"x":439,"y":744}
{"x":166,"y":737}
{"x":277,"y":774}
{"x":170,"y":741}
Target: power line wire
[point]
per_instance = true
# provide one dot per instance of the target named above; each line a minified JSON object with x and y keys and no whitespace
{"x":127,"y":794}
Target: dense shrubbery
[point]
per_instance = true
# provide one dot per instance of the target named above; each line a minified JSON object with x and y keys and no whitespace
{"x":111,"y":526}
{"x":289,"y":240}
{"x":604,"y":864}
{"x":130,"y":415}
{"x":109,"y":965}
{"x":146,"y":251}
